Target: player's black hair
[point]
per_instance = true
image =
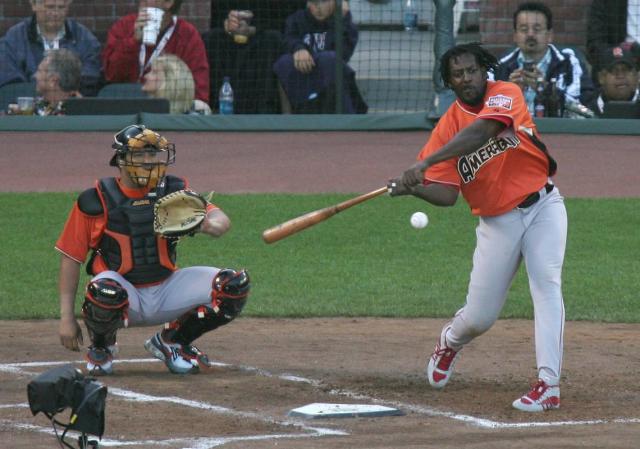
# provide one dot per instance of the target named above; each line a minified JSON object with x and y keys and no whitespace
{"x":483,"y":58}
{"x":534,"y":7}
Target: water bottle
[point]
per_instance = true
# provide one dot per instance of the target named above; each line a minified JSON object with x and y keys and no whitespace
{"x":540,"y":99}
{"x":529,"y":96}
{"x":410,"y":16}
{"x":554,"y":101}
{"x":225,"y":99}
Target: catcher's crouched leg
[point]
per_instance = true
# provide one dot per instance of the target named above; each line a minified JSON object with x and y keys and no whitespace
{"x":229,"y":293}
{"x":105,"y":308}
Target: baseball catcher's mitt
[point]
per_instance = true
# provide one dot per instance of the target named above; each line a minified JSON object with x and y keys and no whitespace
{"x":179,"y":213}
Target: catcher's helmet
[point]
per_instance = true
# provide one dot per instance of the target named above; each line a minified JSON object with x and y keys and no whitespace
{"x":143,"y":153}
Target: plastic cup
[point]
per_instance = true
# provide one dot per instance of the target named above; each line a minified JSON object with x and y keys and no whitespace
{"x":152,"y":26}
{"x":25,"y":105}
{"x":245,"y":19}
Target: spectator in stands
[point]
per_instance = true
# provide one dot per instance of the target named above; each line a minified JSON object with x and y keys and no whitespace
{"x":57,"y":79}
{"x":613,"y":23}
{"x":244,"y":41}
{"x":170,"y":78}
{"x":618,"y":78}
{"x":535,"y":56}
{"x":25,"y":44}
{"x":127,"y":59}
{"x":307,"y":71}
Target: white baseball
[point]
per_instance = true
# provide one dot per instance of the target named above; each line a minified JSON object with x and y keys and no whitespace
{"x":419,"y":220}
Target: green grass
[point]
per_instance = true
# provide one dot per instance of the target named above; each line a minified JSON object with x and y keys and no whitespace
{"x":366,"y":261}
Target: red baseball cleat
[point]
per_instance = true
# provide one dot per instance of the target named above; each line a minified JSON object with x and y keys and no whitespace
{"x":540,"y":398}
{"x":440,"y":366}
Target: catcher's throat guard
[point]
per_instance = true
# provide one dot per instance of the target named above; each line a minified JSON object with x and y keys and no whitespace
{"x":143,"y":154}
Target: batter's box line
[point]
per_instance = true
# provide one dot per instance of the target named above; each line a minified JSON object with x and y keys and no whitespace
{"x":202,"y":442}
{"x":190,"y":443}
{"x":429,"y":411}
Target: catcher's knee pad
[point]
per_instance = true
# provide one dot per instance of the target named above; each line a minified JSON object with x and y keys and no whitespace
{"x":105,"y":308}
{"x":229,"y":292}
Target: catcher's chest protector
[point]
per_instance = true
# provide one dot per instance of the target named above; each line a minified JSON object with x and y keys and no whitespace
{"x":130,"y":245}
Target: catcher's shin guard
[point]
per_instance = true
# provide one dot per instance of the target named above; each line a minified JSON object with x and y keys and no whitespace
{"x":229,"y":293}
{"x":105,"y":311}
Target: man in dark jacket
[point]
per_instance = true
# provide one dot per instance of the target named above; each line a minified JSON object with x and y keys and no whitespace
{"x":535,"y":56}
{"x":244,"y":41}
{"x":25,"y":44}
{"x":307,"y":72}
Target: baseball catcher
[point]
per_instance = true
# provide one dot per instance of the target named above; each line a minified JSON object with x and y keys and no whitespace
{"x":130,"y":225}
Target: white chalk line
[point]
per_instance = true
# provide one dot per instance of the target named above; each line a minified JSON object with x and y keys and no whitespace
{"x":192,"y":443}
{"x":429,"y":411}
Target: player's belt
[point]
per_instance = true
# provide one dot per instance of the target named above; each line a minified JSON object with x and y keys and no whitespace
{"x":534,"y":197}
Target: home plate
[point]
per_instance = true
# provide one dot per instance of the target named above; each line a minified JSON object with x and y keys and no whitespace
{"x":322,"y":410}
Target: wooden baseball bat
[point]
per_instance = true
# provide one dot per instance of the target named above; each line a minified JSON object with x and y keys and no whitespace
{"x":307,"y":220}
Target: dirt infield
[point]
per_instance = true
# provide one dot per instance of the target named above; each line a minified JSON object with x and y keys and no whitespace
{"x":273,"y":366}
{"x":264,"y":368}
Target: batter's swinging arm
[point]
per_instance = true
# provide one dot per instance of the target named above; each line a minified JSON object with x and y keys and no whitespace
{"x":307,"y":220}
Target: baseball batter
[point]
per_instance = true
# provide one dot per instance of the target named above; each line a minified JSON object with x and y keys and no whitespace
{"x":135,"y":278}
{"x":487,"y":147}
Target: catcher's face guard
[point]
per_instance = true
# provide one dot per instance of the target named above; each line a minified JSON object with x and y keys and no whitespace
{"x":229,"y":292}
{"x":143,"y":154}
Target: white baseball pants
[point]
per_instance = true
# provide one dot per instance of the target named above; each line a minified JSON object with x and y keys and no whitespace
{"x":538,"y":235}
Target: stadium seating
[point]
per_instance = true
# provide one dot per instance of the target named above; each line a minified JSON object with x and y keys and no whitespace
{"x":122,"y":90}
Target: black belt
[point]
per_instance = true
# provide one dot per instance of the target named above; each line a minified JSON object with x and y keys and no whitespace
{"x":534,"y":197}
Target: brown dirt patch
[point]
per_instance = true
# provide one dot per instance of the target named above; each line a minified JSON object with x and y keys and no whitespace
{"x":378,"y":359}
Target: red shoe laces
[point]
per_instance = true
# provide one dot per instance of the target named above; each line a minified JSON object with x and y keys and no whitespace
{"x":447,"y":355}
{"x":537,"y":390}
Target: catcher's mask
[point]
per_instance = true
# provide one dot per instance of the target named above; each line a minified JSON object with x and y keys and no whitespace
{"x":143,"y":153}
{"x":230,"y":291}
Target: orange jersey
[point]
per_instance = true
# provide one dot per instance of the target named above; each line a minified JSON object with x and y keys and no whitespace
{"x":506,"y":169}
{"x":83,"y":232}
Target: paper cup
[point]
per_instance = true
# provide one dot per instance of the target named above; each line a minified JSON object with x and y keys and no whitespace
{"x":25,"y":105}
{"x":152,"y":26}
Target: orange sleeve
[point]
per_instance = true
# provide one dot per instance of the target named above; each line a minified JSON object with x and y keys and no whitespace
{"x":81,"y":233}
{"x":444,"y":172}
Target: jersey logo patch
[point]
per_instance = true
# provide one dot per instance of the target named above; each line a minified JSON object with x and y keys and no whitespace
{"x":469,"y":165}
{"x":500,"y":101}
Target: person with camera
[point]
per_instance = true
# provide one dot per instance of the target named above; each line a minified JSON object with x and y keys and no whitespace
{"x":536,"y":57}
